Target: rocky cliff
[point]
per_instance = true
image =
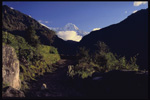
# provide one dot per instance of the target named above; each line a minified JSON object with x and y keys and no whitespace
{"x":10,"y":68}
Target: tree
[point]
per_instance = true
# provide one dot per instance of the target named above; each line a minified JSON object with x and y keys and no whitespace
{"x":100,"y":57}
{"x":102,"y":47}
{"x":31,"y":36}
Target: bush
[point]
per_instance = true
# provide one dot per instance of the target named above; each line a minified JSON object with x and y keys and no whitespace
{"x":53,"y":51}
{"x":26,"y":53}
{"x":101,"y":61}
{"x":132,"y":64}
{"x":82,"y":71}
{"x":111,"y":61}
{"x":71,"y":71}
{"x":102,"y":48}
{"x":83,"y":53}
{"x":31,"y":36}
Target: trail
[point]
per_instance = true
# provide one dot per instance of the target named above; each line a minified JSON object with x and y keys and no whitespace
{"x":57,"y":83}
{"x":114,"y":84}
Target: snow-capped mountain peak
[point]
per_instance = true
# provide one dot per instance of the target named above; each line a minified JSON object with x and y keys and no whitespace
{"x":70,"y":27}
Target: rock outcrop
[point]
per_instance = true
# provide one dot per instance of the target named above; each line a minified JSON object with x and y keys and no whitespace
{"x":10,"y":68}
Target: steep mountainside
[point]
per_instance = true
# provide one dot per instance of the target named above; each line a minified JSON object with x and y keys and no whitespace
{"x":126,"y":38}
{"x":16,"y":22}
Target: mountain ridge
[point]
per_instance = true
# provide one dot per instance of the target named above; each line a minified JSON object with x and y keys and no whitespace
{"x":126,"y":38}
{"x":16,"y":22}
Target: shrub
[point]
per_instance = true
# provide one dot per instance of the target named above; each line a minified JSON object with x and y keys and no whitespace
{"x":101,"y":61}
{"x":31,"y":36}
{"x":71,"y":71}
{"x":132,"y":64}
{"x":111,"y":61}
{"x":53,"y":50}
{"x":83,"y":54}
{"x":82,"y":69}
{"x":26,"y":53}
{"x":102,"y":48}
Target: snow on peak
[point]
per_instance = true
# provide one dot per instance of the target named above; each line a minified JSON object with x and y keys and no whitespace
{"x":95,"y":29}
{"x":69,"y":32}
{"x":71,"y":27}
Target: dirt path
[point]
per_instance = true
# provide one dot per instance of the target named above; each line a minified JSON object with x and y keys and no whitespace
{"x":114,"y":84}
{"x":57,"y":83}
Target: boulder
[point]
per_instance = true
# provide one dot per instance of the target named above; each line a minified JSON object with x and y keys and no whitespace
{"x":10,"y":68}
{"x":43,"y":87}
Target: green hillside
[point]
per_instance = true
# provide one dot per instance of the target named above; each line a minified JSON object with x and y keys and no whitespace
{"x":34,"y":61}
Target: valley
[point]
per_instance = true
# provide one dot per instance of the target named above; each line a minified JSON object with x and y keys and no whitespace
{"x":108,"y":63}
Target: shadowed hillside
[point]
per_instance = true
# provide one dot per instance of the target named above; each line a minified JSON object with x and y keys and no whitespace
{"x":126,"y":38}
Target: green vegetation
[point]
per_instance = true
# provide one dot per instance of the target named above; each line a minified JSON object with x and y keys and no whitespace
{"x":31,"y":36}
{"x":35,"y":58}
{"x":102,"y":60}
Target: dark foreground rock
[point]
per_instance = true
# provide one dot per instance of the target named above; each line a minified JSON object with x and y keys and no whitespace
{"x":117,"y":85}
{"x":11,"y":92}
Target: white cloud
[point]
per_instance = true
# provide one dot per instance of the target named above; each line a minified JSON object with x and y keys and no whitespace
{"x":69,"y":35}
{"x":95,"y":29}
{"x":126,"y":12}
{"x":11,"y":8}
{"x":138,"y":3}
{"x":134,"y":11}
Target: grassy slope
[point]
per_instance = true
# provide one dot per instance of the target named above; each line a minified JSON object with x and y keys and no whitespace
{"x":36,"y":60}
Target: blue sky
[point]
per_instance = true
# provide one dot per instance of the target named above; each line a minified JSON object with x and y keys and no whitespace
{"x":85,"y":15}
